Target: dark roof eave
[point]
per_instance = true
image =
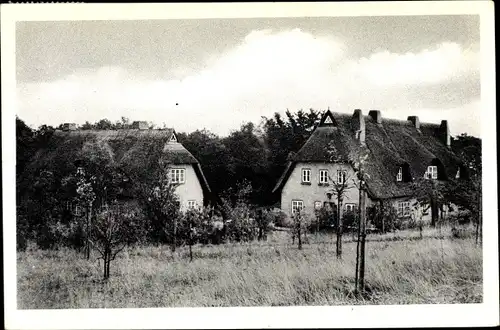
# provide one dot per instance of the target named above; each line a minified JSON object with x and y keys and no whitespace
{"x":284,"y":176}
{"x":203,"y":180}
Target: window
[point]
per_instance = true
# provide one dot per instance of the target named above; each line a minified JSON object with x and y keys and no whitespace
{"x":317,"y":205}
{"x":350,"y":207}
{"x":432,"y":172}
{"x":78,"y":211}
{"x":399,"y":177}
{"x":173,"y":138}
{"x":177,"y":175}
{"x":80,"y":171}
{"x":403,"y":209}
{"x":191,"y":204}
{"x":341,"y":177}
{"x":297,"y":205}
{"x":306,"y":175}
{"x":323,"y":176}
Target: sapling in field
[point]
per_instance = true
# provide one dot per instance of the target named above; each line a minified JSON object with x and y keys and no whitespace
{"x":193,"y":226}
{"x":301,"y":222}
{"x":110,"y":233}
{"x":341,"y":183}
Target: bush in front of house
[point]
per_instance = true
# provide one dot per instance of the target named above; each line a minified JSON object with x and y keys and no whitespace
{"x":384,"y":219}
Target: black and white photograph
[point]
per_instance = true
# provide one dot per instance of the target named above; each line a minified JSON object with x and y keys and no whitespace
{"x":173,"y":165}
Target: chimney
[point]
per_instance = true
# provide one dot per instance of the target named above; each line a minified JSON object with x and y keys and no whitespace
{"x":69,"y":127}
{"x":140,"y":125}
{"x":376,"y":116}
{"x":415,"y":121}
{"x":358,"y":125}
{"x":444,"y":133}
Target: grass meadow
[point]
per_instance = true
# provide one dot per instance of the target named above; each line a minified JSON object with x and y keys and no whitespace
{"x":401,"y":268}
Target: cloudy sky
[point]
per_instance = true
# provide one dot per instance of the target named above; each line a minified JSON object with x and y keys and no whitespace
{"x":216,"y":74}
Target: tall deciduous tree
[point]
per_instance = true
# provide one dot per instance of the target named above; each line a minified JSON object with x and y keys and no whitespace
{"x":285,"y":135}
{"x":210,"y":151}
{"x":248,"y":160}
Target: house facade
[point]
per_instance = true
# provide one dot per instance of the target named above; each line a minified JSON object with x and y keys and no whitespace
{"x":397,"y":152}
{"x":136,"y":147}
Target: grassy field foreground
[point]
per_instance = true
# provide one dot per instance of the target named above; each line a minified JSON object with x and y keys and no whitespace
{"x":412,"y":271}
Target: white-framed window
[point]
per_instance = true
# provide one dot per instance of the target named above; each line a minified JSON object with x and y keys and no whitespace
{"x":404,"y":209}
{"x":350,"y":207}
{"x":191,"y":204}
{"x":177,"y":175}
{"x":317,"y":205}
{"x":457,"y":176}
{"x":323,"y":176}
{"x":432,"y":172}
{"x":399,"y":177}
{"x":297,"y":205}
{"x":306,"y":175}
{"x":78,"y":210}
{"x":341,"y":176}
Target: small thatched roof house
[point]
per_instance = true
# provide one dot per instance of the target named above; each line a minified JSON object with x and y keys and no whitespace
{"x":136,"y":148}
{"x":398,"y":152}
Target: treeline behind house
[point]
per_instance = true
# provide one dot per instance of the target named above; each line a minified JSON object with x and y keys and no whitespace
{"x":251,"y":155}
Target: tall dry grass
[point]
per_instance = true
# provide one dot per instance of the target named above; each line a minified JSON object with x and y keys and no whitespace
{"x":274,"y":273}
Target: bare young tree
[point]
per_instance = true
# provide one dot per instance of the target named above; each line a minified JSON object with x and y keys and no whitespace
{"x":85,"y":197}
{"x":360,"y":158}
{"x":341,"y":184}
{"x":192,"y":226}
{"x":301,"y":222}
{"x":110,"y":233}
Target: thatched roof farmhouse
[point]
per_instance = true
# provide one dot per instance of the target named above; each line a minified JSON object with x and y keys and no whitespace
{"x":135,"y":147}
{"x":399,"y":152}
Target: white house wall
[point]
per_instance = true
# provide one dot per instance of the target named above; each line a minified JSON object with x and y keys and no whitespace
{"x":294,"y":189}
{"x":191,"y":189}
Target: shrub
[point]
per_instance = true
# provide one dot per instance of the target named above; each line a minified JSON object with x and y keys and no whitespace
{"x":279,"y":218}
{"x":325,"y":219}
{"x":384,"y":218}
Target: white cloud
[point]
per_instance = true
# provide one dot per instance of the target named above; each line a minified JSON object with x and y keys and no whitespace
{"x":266,"y":72}
{"x":434,"y":66}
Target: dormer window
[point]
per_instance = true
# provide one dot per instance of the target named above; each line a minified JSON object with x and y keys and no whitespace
{"x":432,"y":172}
{"x":399,"y":176}
{"x":404,"y":174}
{"x":462,"y":173}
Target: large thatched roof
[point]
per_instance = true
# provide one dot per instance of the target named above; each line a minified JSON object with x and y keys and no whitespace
{"x":391,"y":144}
{"x":121,"y":145}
